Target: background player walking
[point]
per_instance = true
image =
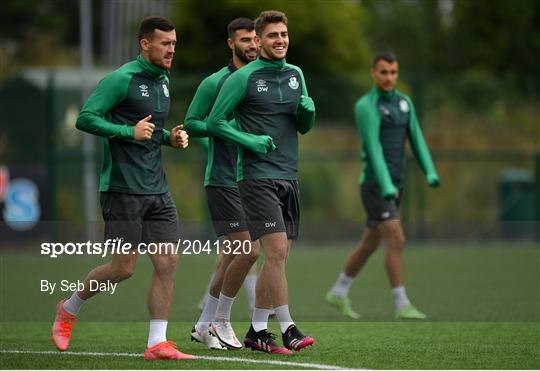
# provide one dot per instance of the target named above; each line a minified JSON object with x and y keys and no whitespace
{"x":384,"y":117}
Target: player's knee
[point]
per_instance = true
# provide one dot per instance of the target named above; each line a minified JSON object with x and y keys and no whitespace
{"x":123,"y":272}
{"x":276,"y":255}
{"x":215,"y":288}
{"x":252,"y":256}
{"x":254,"y":251}
{"x":370,"y":249}
{"x":397,"y":241}
{"x":373,"y":242}
{"x":400,"y":239}
{"x":167,"y":264}
{"x":394,"y":233}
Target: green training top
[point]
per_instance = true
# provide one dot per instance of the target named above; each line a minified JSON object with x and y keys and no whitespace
{"x":383,"y":120}
{"x":271,"y":104}
{"x":120,"y":100}
{"x":222,"y":155}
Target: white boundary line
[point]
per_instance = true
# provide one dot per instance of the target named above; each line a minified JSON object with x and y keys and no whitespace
{"x":209,"y":358}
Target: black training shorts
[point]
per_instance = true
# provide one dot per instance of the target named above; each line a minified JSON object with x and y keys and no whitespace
{"x":377,"y":208}
{"x":226,"y":210}
{"x":140,"y":218}
{"x":271,"y":205}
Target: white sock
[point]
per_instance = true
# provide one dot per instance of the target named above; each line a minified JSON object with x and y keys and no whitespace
{"x":249,"y":283}
{"x":73,"y":304}
{"x":223,"y":311}
{"x":208,"y":313}
{"x":158,"y":332}
{"x":259,"y":321}
{"x":284,"y":317}
{"x":342,"y":286}
{"x":400,"y":297}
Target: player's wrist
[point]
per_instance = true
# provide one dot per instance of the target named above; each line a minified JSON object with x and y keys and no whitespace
{"x":130,"y":132}
{"x":434,"y":181}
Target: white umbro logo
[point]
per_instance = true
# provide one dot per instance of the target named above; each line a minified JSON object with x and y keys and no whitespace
{"x":144,"y":91}
{"x":385,"y":111}
{"x":261,"y":85}
{"x":385,"y":215}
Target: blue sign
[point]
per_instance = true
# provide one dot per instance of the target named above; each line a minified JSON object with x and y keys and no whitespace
{"x":22,"y":209}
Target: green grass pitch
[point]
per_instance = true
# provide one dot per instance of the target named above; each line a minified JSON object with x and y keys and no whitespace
{"x":483,"y":306}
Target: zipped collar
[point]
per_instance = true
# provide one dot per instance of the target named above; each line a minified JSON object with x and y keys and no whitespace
{"x":274,"y":64}
{"x":231,"y":66}
{"x":151,"y":68}
{"x":387,"y":95}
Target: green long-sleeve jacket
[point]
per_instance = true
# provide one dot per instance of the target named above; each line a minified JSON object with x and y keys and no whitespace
{"x":384,"y":120}
{"x":121,"y":99}
{"x":271,"y":105}
{"x":222,"y":155}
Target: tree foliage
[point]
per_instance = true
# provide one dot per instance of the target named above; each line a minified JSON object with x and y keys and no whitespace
{"x":325,"y":36}
{"x":413,"y":30}
{"x":500,"y":37}
{"x":326,"y":39}
{"x":495,"y":39}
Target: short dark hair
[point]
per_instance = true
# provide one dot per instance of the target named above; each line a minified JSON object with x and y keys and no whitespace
{"x":267,"y":17}
{"x":241,"y":23}
{"x":149,"y":24}
{"x":385,"y":55}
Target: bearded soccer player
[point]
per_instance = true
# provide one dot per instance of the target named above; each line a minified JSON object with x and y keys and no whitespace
{"x":128,"y":110}
{"x":223,"y":196}
{"x":271,"y":105}
{"x":385,"y":117}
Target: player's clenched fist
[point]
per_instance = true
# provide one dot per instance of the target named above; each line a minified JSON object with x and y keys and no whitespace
{"x":179,"y":138}
{"x":144,"y":129}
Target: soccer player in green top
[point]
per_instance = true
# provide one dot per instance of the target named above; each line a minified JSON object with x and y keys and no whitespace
{"x":128,"y":110}
{"x":223,"y":196}
{"x":271,"y":105}
{"x":385,"y":117}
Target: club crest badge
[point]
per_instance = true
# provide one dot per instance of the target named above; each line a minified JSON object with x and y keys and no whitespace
{"x":293,"y":83}
{"x":404,"y":106}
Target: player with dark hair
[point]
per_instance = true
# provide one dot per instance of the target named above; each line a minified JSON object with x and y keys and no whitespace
{"x":128,"y":110}
{"x":271,"y":105}
{"x":223,"y":197}
{"x":385,"y":117}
